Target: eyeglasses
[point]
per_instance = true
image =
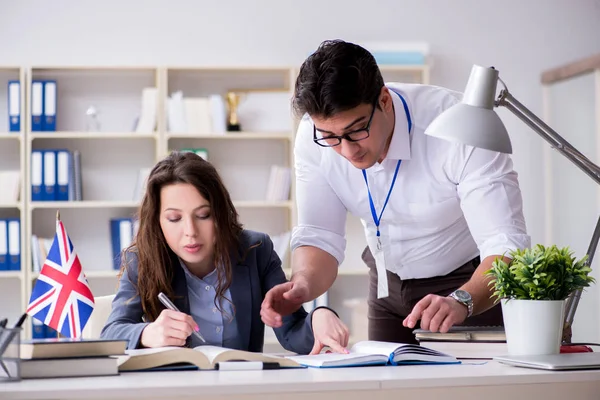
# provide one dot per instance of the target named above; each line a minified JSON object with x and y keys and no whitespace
{"x":353,"y":136}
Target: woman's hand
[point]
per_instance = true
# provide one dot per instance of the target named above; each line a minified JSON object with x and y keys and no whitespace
{"x":329,"y":330}
{"x":171,"y":328}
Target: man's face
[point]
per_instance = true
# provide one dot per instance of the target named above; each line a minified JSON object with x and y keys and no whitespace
{"x":367,"y":124}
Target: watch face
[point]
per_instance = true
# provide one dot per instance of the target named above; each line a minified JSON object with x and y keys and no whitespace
{"x":462,"y":295}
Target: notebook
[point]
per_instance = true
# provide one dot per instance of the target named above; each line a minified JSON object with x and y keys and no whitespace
{"x":71,"y":347}
{"x":370,"y":352}
{"x":555,"y":362}
{"x":201,"y":357}
{"x":464,"y":334}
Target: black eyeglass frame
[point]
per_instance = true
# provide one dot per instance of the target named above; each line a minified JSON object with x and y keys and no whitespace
{"x":346,"y":136}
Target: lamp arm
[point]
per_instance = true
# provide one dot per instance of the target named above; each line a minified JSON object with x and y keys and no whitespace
{"x":550,"y":135}
{"x":576,"y":157}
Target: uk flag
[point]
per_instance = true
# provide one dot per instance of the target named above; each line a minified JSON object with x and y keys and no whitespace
{"x":61,"y":297}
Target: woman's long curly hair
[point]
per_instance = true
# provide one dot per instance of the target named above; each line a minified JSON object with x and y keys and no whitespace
{"x":155,"y":269}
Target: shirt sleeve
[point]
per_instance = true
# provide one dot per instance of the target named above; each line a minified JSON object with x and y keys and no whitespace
{"x":321,"y":214}
{"x":491,"y":200}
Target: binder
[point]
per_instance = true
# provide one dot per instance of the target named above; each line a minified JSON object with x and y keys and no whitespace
{"x":50,"y":332}
{"x":37,"y":105}
{"x":49,"y":119}
{"x":37,"y":175}
{"x":121,"y":234}
{"x":63,"y":181}
{"x":14,"y":244}
{"x":14,"y":106}
{"x":38,"y":330}
{"x":3,"y":245}
{"x":49,"y":193}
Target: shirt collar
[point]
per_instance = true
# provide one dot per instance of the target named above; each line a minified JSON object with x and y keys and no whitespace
{"x":400,"y":144}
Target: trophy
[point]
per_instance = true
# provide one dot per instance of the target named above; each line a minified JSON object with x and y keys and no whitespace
{"x":233,"y":100}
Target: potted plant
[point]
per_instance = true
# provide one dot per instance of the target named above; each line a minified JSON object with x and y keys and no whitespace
{"x":533,"y":289}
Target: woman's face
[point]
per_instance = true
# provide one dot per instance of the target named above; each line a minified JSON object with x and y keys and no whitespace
{"x":187,"y":223}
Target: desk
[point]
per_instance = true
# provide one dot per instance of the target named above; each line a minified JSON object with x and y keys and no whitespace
{"x":489,"y":381}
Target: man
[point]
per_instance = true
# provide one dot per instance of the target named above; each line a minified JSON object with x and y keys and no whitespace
{"x":436,"y":213}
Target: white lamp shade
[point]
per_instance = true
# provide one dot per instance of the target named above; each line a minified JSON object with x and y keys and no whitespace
{"x":473,"y":126}
{"x":473,"y":121}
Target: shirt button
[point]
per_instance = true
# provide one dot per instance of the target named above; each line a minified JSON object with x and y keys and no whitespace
{"x":214,"y":309}
{"x":207,"y":287}
{"x":218,"y":329}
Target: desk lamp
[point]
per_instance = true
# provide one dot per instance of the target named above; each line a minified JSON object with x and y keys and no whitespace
{"x":473,"y":122}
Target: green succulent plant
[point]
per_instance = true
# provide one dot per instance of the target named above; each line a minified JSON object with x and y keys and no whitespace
{"x":539,"y":273}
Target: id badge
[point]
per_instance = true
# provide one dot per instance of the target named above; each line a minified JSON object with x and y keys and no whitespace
{"x":376,"y":248}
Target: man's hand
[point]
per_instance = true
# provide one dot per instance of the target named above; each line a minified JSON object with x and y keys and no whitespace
{"x":283,"y":300}
{"x":436,"y":313}
{"x":329,"y":330}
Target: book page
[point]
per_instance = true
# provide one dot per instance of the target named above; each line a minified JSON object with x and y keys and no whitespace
{"x":375,"y":347}
{"x":339,"y":360}
{"x":217,"y":354}
{"x":212,"y":352}
{"x":137,"y":352}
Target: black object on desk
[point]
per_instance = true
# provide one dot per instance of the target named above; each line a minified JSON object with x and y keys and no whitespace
{"x":10,"y":362}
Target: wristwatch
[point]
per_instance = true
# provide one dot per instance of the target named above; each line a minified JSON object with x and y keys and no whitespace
{"x":464,"y":298}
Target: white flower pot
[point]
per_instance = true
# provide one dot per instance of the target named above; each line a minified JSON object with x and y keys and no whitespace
{"x":533,"y":326}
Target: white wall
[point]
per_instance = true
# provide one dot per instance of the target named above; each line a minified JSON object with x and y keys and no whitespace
{"x":520,"y":38}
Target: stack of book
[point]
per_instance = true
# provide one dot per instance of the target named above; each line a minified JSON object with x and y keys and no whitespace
{"x":65,"y":357}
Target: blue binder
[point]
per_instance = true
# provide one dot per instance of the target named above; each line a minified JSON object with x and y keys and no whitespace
{"x":63,"y":175}
{"x":37,"y":175}
{"x":3,"y":245}
{"x":37,"y":105}
{"x":121,"y":235}
{"x":14,"y":244}
{"x":14,"y":106}
{"x":49,"y":194}
{"x":49,"y":120}
{"x":38,"y":329}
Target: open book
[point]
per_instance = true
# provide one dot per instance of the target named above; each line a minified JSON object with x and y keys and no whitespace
{"x":371,"y":352}
{"x":202,"y":357}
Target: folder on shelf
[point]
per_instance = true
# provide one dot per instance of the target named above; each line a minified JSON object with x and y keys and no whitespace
{"x":63,"y":181}
{"x":37,"y":105}
{"x":38,"y":331}
{"x":37,"y":175}
{"x":121,"y":234}
{"x":14,"y":106}
{"x":76,"y":172}
{"x":3,"y":245}
{"x":49,"y":113}
{"x":49,"y":167}
{"x":14,"y":244}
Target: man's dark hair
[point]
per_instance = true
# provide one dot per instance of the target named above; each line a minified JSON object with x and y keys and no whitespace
{"x":337,"y":77}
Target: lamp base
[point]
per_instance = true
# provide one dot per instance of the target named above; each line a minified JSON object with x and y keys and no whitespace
{"x":567,"y":334}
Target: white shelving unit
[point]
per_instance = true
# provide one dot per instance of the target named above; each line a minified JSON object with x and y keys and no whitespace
{"x":12,"y":157}
{"x":112,"y":158}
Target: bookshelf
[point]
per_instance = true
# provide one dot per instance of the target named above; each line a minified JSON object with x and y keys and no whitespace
{"x":13,"y":285}
{"x":112,"y":156}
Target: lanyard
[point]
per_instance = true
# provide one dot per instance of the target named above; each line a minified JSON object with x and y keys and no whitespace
{"x":377,"y":219}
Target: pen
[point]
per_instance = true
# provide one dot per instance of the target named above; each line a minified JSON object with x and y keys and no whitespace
{"x":167,"y":303}
{"x":246,"y":365}
{"x":11,"y":334}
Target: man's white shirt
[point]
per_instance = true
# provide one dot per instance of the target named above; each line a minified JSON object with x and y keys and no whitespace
{"x":450,"y":202}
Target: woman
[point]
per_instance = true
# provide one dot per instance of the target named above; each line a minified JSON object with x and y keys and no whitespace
{"x":191,"y":246}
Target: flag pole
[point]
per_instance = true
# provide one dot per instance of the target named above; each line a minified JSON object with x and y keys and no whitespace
{"x":57,"y":219}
